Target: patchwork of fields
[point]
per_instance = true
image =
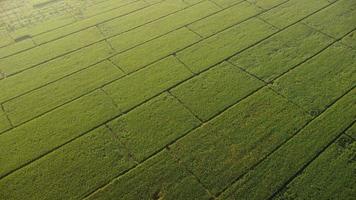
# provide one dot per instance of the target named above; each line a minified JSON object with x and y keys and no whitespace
{"x":177,"y":99}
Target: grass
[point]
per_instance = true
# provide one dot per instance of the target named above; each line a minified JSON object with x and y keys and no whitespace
{"x":177,"y":99}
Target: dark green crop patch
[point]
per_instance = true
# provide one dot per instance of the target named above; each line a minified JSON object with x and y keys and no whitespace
{"x":352,"y":131}
{"x":324,"y":78}
{"x":221,"y":46}
{"x":336,"y":20}
{"x":230,"y":144}
{"x":70,"y":172}
{"x":40,"y":54}
{"x":224,"y":19}
{"x":282,"y":52}
{"x":154,"y":50}
{"x":160,"y":177}
{"x":33,"y":104}
{"x":162,"y":26}
{"x":271,"y":174}
{"x":157,"y":77}
{"x":350,"y":39}
{"x":4,"y":122}
{"x":216,"y":89}
{"x":46,"y":73}
{"x":330,"y":176}
{"x":292,"y":11}
{"x":153,"y":125}
{"x":39,"y":136}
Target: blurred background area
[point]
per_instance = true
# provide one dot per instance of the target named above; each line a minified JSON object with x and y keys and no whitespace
{"x":21,"y":19}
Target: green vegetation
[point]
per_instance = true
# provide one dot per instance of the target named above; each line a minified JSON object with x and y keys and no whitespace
{"x":350,"y":39}
{"x":70,"y":172}
{"x":292,"y":11}
{"x":5,"y":39}
{"x":215,"y":49}
{"x":88,"y":22}
{"x":51,"y":71}
{"x":17,"y":47}
{"x":4,"y":122}
{"x":143,"y":16}
{"x":320,"y":81}
{"x":230,"y":144}
{"x":226,"y":3}
{"x":279,"y":167}
{"x":162,"y":26}
{"x":330,"y":176}
{"x":42,"y":53}
{"x":159,"y":177}
{"x":157,"y":78}
{"x":267,"y":4}
{"x":150,"y":127}
{"x":283,"y":51}
{"x":177,"y":99}
{"x":336,"y":20}
{"x":155,"y":50}
{"x":69,"y":88}
{"x":106,"y":7}
{"x":51,"y":24}
{"x":41,"y":2}
{"x":222,"y":20}
{"x":352,"y":131}
{"x":39,"y":136}
{"x":214,"y":90}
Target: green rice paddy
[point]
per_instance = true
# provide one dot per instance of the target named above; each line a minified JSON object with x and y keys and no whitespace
{"x":177,"y":99}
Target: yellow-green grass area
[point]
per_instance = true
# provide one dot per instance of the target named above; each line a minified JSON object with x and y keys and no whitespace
{"x":178,"y":100}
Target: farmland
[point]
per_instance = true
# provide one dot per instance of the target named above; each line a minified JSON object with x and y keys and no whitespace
{"x":177,"y":99}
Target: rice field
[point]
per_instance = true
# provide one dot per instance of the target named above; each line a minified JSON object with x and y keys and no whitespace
{"x":177,"y":99}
